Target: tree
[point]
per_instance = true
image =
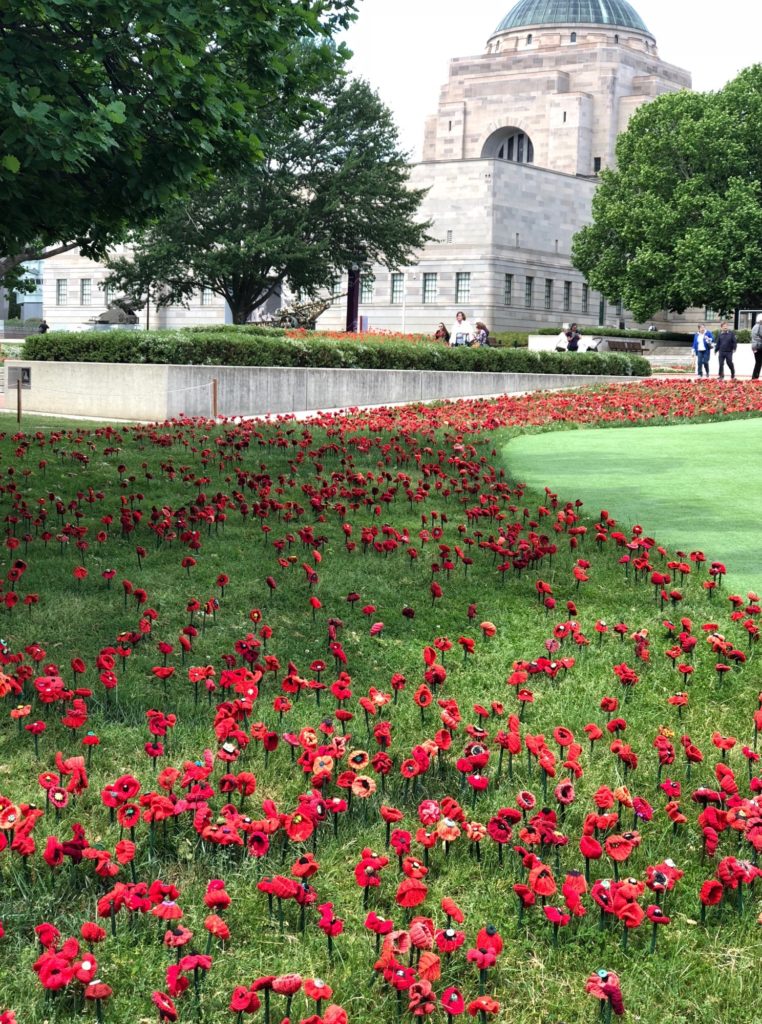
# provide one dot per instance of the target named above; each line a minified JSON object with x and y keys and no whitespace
{"x":328,"y":194}
{"x":679,"y":223}
{"x":110,"y":108}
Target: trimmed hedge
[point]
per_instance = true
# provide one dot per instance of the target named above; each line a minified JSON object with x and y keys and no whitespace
{"x":217,"y":348}
{"x":615,"y":332}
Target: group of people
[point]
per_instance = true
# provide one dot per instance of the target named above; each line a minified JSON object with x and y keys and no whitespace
{"x":463,"y":332}
{"x":568,"y":339}
{"x":724,"y":345}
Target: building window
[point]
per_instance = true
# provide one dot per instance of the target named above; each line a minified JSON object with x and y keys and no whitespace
{"x":336,"y":288}
{"x":508,"y":290}
{"x":619,"y":308}
{"x":449,"y":236}
{"x":206,"y":295}
{"x":567,"y":296}
{"x":62,"y":291}
{"x":108,"y":293}
{"x":528,"y":292}
{"x":430,"y":288}
{"x":85,"y":291}
{"x":597,"y":165}
{"x":510,"y":145}
{"x":709,"y":313}
{"x":616,"y":38}
{"x":573,"y":37}
{"x":585,"y":298}
{"x":462,"y":288}
{"x":529,"y":39}
{"x":366,"y":288}
{"x":602,"y":311}
{"x":548,"y":293}
{"x":398,"y":289}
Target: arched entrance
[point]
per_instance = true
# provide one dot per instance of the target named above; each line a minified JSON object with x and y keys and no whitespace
{"x":509,"y":144}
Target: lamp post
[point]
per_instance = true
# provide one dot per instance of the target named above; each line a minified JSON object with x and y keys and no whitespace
{"x":353,"y":298}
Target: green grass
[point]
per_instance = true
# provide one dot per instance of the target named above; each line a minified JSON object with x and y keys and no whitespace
{"x":697,"y":974}
{"x":694,"y":486}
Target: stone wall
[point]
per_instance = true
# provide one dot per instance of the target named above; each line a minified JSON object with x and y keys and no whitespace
{"x":138,"y":391}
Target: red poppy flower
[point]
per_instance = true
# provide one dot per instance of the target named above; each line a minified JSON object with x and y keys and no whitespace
{"x":411,"y":892}
{"x":165,"y":1006}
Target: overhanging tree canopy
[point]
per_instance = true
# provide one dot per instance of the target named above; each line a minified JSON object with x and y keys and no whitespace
{"x":331,"y":192}
{"x":109,"y":108}
{"x":679,"y":223}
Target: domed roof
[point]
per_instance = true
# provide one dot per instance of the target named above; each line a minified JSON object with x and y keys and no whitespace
{"x":572,"y":12}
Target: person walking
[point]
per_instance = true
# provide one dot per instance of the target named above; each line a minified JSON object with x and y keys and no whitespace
{"x":702,"y":347}
{"x":461,"y":332}
{"x":726,"y":346}
{"x":756,"y":347}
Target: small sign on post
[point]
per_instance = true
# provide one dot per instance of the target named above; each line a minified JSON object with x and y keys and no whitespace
{"x":20,"y":376}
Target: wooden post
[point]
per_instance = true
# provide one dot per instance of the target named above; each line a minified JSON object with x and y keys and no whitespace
{"x":214,"y":398}
{"x":18,"y":400}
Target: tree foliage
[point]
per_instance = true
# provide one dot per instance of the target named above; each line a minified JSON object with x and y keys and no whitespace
{"x":109,"y":108}
{"x":330,"y":192}
{"x":679,"y":223}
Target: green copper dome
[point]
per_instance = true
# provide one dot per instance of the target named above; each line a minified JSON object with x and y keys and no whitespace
{"x":572,"y":12}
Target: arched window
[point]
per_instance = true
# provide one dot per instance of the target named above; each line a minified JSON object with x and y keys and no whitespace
{"x":573,"y":37}
{"x":509,"y":144}
{"x":529,"y":39}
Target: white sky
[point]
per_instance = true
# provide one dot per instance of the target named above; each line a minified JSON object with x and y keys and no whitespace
{"x":402,"y":47}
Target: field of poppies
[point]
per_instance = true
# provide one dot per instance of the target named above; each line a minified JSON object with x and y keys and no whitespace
{"x":334,"y":721}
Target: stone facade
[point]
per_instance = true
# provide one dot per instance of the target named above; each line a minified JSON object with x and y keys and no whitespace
{"x":73,"y":296}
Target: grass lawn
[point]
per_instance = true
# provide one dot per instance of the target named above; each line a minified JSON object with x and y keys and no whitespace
{"x":267,"y":549}
{"x":695,"y":486}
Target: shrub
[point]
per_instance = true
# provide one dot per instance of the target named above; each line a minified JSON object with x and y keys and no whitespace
{"x":615,"y":332}
{"x":265,"y":348}
{"x":509,"y":339}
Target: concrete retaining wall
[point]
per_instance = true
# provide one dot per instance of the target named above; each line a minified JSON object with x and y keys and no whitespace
{"x":142,"y":391}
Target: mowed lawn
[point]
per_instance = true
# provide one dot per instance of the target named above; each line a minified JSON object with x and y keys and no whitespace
{"x":694,"y":487}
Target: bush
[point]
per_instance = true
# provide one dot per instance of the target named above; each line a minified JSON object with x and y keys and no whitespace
{"x":614,"y":332}
{"x":509,"y":339}
{"x":266,"y":348}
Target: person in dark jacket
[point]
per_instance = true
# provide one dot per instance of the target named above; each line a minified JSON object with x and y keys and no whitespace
{"x":725,"y":345}
{"x":572,"y":339}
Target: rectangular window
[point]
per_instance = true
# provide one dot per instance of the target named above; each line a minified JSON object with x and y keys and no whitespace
{"x":430,"y":288}
{"x":462,"y":288}
{"x":567,"y":296}
{"x":85,"y":291}
{"x":206,"y":296}
{"x":62,"y":291}
{"x":528,"y":292}
{"x":108,"y":293}
{"x":336,"y":288}
{"x":597,"y":165}
{"x":366,"y":288}
{"x":585,"y":298}
{"x":709,"y":313}
{"x":449,"y":236}
{"x":508,"y":290}
{"x":398,"y":289}
{"x":619,"y":308}
{"x":548,"y":293}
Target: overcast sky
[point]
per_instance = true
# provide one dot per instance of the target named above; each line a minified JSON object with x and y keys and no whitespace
{"x":402,"y":47}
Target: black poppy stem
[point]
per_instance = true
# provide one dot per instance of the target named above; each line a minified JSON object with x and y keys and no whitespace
{"x":482,"y":981}
{"x":702,"y":914}
{"x":652,"y":946}
{"x":399,"y":1004}
{"x":267,"y":1006}
{"x":625,"y":936}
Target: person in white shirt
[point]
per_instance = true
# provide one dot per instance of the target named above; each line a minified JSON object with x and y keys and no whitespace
{"x":702,"y":347}
{"x":461,"y":332}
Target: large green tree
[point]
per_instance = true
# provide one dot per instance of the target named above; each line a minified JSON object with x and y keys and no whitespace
{"x":330,"y":192}
{"x":110,"y":108}
{"x":679,"y":222}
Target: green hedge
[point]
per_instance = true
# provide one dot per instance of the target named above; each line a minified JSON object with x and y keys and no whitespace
{"x":614,"y":332}
{"x":509,"y":339}
{"x":218,"y":348}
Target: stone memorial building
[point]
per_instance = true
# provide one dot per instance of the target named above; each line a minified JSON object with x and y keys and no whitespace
{"x":511,"y":159}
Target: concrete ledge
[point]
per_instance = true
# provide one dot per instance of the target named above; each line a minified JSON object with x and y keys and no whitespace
{"x":149,"y":392}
